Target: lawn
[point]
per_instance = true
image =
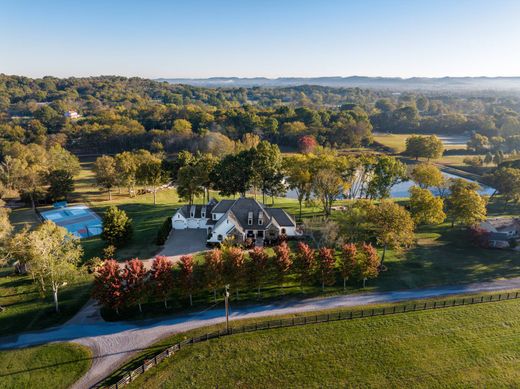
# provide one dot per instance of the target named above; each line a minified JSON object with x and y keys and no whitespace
{"x":25,"y":310}
{"x":451,"y":347}
{"x":56,"y":365}
{"x":397,"y":142}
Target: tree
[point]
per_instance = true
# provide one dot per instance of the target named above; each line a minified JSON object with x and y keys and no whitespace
{"x":427,"y":175}
{"x":108,"y":287}
{"x":135,"y":277}
{"x":161,"y":275}
{"x":61,"y":159}
{"x":393,"y":226}
{"x":488,"y":158}
{"x":61,"y":184}
{"x":186,"y":275}
{"x":386,"y":172}
{"x":465,"y":205}
{"x":369,"y":264}
{"x":188,"y":183}
{"x":53,"y":257}
{"x":478,"y":143}
{"x":106,"y":174}
{"x":307,"y":144}
{"x":182,"y":127}
{"x":150,"y":173}
{"x":326,"y":263}
{"x":214,"y":270}
{"x":348,"y":262}
{"x":327,"y":185}
{"x":425,"y":207}
{"x":282,"y":260}
{"x":323,"y":232}
{"x":266,"y":167}
{"x":258,"y":266}
{"x":234,"y":264}
{"x":117,"y":227}
{"x":126,"y":164}
{"x":299,"y":178}
{"x":507,"y":182}
{"x":429,"y":147}
{"x":305,"y":262}
{"x":233,"y":174}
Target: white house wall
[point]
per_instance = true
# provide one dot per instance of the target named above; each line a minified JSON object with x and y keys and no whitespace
{"x":221,"y":229}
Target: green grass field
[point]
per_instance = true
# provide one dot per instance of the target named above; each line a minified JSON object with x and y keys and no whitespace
{"x":54,"y":366}
{"x":397,"y":142}
{"x":469,"y":346}
{"x":25,"y":310}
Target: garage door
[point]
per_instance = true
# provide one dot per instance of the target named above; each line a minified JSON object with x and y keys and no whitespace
{"x":179,"y":225}
{"x":193,"y":223}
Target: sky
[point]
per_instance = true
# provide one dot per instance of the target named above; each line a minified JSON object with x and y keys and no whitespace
{"x":260,"y":38}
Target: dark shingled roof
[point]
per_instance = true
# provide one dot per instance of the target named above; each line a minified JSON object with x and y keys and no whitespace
{"x":241,"y":209}
{"x":185,"y":210}
{"x":223,"y":206}
{"x":281,"y":217}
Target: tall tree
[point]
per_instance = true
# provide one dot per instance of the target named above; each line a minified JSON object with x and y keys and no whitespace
{"x":299,"y":178}
{"x":234,"y":264}
{"x":126,"y":164}
{"x":135,"y":277}
{"x":507,"y":182}
{"x":117,"y":227}
{"x":427,"y":175}
{"x":369,"y":264}
{"x":326,"y":263}
{"x":109,"y":288}
{"x":425,"y":207}
{"x":186,"y":275}
{"x":214,"y":270}
{"x":393,"y":226}
{"x":305,"y":263}
{"x":386,"y":172}
{"x":61,"y":184}
{"x":267,"y":167}
{"x":348,"y":262}
{"x":150,"y":173}
{"x":106,"y":174}
{"x":189,"y":184}
{"x":465,"y":205}
{"x":161,"y":275}
{"x":258,"y":267}
{"x":430,"y":147}
{"x":282,"y":261}
{"x":54,"y":256}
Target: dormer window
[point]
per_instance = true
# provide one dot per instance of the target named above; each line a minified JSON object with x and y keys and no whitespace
{"x":250,"y":218}
{"x":203,"y":213}
{"x":260,"y":218}
{"x":192,"y":211}
{"x":214,"y":216}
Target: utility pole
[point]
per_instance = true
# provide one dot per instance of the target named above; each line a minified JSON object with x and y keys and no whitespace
{"x":226,"y":301}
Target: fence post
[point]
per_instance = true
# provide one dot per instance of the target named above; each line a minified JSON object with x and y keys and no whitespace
{"x":481,"y":299}
{"x":414,"y":306}
{"x":500,"y":297}
{"x":394,"y":309}
{"x":372,"y":311}
{"x":424,"y":305}
{"x":351,"y":314}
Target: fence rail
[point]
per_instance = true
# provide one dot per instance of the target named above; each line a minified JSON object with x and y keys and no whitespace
{"x":130,"y":375}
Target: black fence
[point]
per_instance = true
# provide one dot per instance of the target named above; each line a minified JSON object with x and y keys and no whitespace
{"x":311,"y":319}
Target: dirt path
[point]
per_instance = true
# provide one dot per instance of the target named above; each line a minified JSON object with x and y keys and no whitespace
{"x":113,"y":343}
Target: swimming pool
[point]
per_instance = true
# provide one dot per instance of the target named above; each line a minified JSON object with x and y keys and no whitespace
{"x":79,"y":220}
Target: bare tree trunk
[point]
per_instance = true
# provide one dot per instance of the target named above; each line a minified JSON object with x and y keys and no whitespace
{"x":154,"y":195}
{"x":140,"y":307}
{"x":56,"y":304}
{"x":191,"y":300}
{"x":165,"y":304}
{"x":344,"y":284}
{"x":364,"y":282}
{"x":109,"y":195}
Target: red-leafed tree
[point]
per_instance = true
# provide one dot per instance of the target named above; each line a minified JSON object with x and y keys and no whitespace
{"x":348,"y":262}
{"x":161,"y":275}
{"x":108,"y":286}
{"x":258,"y":267}
{"x":186,"y":276}
{"x":369,"y":263}
{"x":135,"y":277}
{"x":307,"y":144}
{"x":326,"y":262}
{"x":234,"y":263}
{"x":214,"y":270}
{"x":305,"y":262}
{"x":282,"y":260}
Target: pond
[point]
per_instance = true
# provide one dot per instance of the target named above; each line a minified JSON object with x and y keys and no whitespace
{"x":401,"y":190}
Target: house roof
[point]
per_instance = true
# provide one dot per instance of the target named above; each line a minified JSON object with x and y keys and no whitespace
{"x":185,"y":210}
{"x":499,"y":236}
{"x":245,"y":209}
{"x":281,"y":217}
{"x":223,"y":206}
{"x":504,"y":223}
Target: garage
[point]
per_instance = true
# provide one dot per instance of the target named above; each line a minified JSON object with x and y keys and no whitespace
{"x":179,"y":225}
{"x":193,"y":223}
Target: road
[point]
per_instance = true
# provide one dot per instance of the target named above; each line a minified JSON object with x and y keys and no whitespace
{"x":113,"y":343}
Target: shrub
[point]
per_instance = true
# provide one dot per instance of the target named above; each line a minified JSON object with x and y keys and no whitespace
{"x":164,"y":231}
{"x":117,"y":227}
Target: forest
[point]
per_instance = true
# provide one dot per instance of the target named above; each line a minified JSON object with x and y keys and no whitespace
{"x":118,"y":114}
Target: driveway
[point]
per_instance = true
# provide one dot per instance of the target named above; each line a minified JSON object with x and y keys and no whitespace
{"x":183,"y":242}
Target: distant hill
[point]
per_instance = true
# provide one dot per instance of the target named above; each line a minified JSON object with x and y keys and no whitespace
{"x":393,"y":83}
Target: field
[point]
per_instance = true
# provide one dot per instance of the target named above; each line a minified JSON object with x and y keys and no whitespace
{"x":54,"y":366}
{"x":25,"y":310}
{"x":469,"y":346}
{"x":397,"y":142}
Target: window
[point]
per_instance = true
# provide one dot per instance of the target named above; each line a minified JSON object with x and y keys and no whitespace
{"x":283,"y":230}
{"x":214,"y":216}
{"x":260,"y":218}
{"x":250,"y":218}
{"x":203,"y":213}
{"x":219,"y":237}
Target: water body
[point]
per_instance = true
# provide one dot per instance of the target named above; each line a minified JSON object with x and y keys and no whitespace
{"x":401,"y":190}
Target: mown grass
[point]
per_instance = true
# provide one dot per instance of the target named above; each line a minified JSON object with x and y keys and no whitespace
{"x":26,"y":310}
{"x":397,"y":142}
{"x":56,"y":365}
{"x":466,"y":346}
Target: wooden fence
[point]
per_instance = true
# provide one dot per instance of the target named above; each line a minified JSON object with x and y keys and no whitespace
{"x":129,"y":376}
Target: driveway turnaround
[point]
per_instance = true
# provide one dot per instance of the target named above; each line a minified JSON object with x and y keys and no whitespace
{"x":113,"y":343}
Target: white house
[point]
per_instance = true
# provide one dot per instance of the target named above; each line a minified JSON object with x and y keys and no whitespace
{"x":240,"y":219}
{"x":501,"y":230}
{"x":72,"y":115}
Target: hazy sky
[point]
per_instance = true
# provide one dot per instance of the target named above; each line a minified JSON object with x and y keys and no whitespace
{"x":246,"y":38}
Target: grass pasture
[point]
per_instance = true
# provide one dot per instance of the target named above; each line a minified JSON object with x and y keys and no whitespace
{"x":465,"y":346}
{"x":56,"y":366}
{"x":397,"y":142}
